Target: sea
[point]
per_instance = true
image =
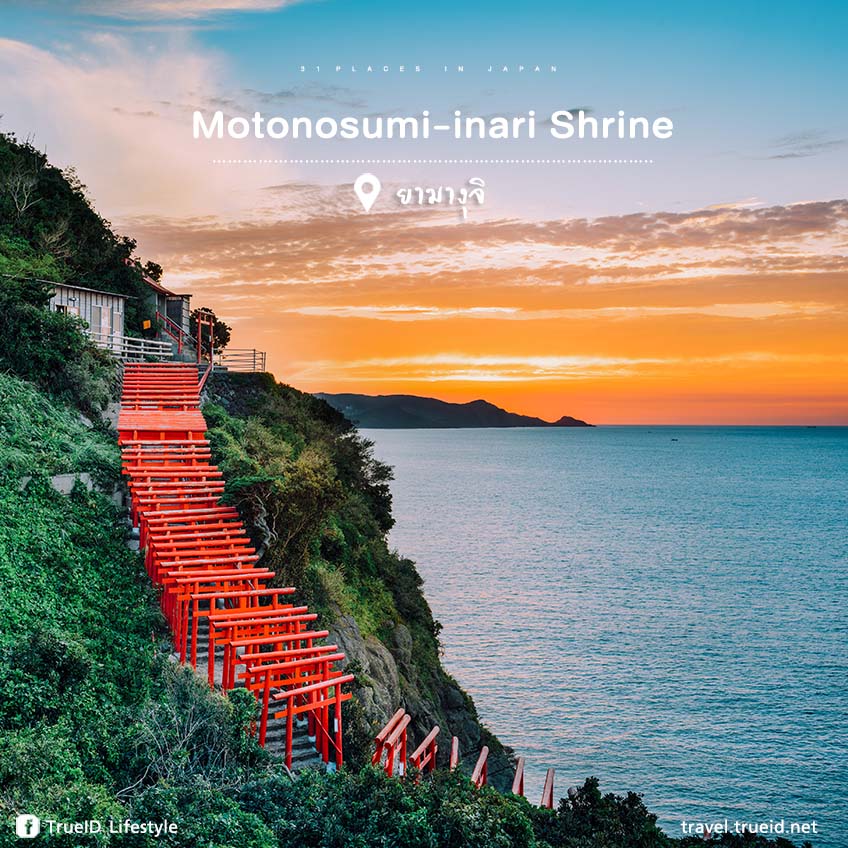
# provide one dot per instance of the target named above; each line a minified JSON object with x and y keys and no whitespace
{"x":663,"y":608}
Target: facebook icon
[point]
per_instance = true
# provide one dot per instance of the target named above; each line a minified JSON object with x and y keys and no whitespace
{"x":27,"y":826}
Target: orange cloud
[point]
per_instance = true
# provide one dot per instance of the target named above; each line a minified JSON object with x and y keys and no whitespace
{"x":732,"y":314}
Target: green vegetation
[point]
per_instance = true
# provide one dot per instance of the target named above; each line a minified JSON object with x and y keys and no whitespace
{"x":318,"y":506}
{"x":317,"y":500}
{"x":49,"y":230}
{"x":50,"y":233}
{"x":95,"y":720}
{"x":50,"y":349}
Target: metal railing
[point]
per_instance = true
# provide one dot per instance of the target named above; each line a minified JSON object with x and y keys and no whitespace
{"x":127,"y":348}
{"x":241,"y":360}
{"x":175,"y":331}
{"x":204,"y":378}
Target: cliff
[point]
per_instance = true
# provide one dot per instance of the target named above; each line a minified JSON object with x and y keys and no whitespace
{"x":318,"y":505}
{"x":97,"y":722}
{"x":396,"y":412}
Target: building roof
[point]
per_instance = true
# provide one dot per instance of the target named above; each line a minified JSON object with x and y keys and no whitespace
{"x":69,"y":286}
{"x":157,"y":287}
{"x":160,"y":288}
{"x":83,"y":288}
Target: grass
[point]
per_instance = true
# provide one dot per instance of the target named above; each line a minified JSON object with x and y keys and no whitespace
{"x":38,"y":437}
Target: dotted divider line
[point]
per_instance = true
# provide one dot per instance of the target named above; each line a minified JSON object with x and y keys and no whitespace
{"x":432,"y":161}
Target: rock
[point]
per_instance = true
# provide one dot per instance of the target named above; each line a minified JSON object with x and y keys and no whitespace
{"x":111,"y":413}
{"x":452,"y":698}
{"x":402,"y":648}
{"x":377,"y":672}
{"x":64,"y":483}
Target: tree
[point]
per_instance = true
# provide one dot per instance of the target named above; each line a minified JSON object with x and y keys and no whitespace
{"x":220,"y":333}
{"x":153,"y":270}
{"x":20,"y":182}
{"x":51,"y":349}
{"x":49,"y":229}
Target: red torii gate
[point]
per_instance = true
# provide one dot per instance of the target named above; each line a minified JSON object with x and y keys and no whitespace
{"x":390,"y":745}
{"x":316,"y":699}
{"x":198,"y":554}
{"x":424,"y":756}
{"x":391,"y":740}
{"x":480,"y":775}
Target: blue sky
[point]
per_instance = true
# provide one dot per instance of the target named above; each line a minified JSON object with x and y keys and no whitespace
{"x":756,"y":90}
{"x":707,"y":285}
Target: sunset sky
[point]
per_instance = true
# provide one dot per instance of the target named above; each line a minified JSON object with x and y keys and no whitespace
{"x":707,"y":285}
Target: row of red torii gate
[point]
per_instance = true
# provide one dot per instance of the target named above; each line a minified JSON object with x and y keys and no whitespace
{"x":222,"y":612}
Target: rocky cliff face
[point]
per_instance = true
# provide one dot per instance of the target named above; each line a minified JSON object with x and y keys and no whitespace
{"x":387,"y":678}
{"x":369,"y":599}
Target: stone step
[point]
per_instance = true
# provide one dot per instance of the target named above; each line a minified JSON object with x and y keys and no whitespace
{"x":277,"y":730}
{"x":304,"y":754}
{"x":298,"y":745}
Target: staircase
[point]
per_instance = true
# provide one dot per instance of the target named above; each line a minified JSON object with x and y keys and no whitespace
{"x":183,"y":346}
{"x":303,"y":752}
{"x":213,"y":593}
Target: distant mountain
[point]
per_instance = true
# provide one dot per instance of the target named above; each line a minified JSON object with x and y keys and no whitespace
{"x":398,"y":412}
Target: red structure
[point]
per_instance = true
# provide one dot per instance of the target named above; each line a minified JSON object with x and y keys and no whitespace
{"x":424,"y":756}
{"x":199,"y":556}
{"x":518,"y":780}
{"x":480,"y":775}
{"x":454,"y":753}
{"x":548,"y":791}
{"x":215,"y":595}
{"x":391,"y":742}
{"x":390,"y":754}
{"x":205,"y":318}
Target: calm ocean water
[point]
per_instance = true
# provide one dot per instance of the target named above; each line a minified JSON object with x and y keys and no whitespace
{"x":664,"y":608}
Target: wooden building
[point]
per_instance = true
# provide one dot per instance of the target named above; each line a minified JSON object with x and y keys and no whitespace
{"x":103,"y":312}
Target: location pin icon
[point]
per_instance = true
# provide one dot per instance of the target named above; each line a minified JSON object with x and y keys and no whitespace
{"x":367,"y":187}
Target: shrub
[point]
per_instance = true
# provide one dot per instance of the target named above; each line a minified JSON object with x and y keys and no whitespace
{"x":51,"y":349}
